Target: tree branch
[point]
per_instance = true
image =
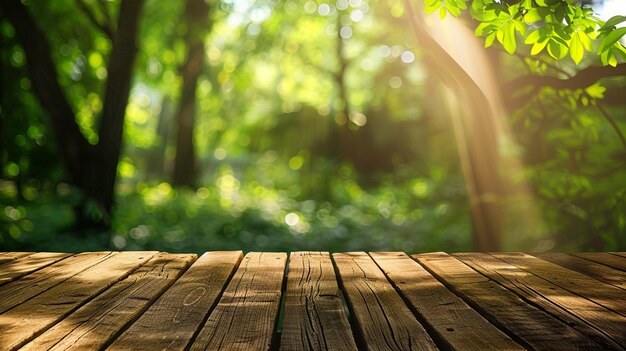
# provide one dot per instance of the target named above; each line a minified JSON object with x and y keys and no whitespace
{"x":583,"y":79}
{"x":104,"y":27}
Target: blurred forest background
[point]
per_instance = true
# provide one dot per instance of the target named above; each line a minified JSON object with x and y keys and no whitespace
{"x":298,"y":125}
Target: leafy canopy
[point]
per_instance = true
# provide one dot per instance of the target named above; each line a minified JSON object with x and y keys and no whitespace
{"x":557,"y":26}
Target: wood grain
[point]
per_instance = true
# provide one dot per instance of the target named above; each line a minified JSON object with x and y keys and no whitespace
{"x":315,"y":318}
{"x":530,"y":325}
{"x":601,"y":293}
{"x":382,"y":318}
{"x":10,"y":256}
{"x":17,"y":268}
{"x":171,"y":322}
{"x":15,"y":293}
{"x":596,"y":322}
{"x":595,"y":270}
{"x":24,"y":322}
{"x":607,"y":259}
{"x":98,"y":322}
{"x":455,"y":323}
{"x":245,"y":317}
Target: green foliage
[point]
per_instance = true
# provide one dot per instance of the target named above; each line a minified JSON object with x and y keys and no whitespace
{"x":557,"y":26}
{"x":238,"y":213}
{"x":282,"y":167}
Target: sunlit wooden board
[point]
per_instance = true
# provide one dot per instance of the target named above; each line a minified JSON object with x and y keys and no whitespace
{"x":381,"y":316}
{"x":22,"y":323}
{"x":19,"y":291}
{"x":12,"y":270}
{"x":607,"y":259}
{"x":246,"y":315}
{"x":171,"y":322}
{"x":531,"y":325}
{"x":590,"y":268}
{"x":98,"y":322}
{"x":315,"y":318}
{"x":595,"y":321}
{"x":454,"y":322}
{"x":10,"y":256}
{"x":601,"y":293}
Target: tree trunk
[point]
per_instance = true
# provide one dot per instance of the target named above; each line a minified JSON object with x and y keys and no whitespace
{"x":121,"y":63}
{"x":156,"y":158}
{"x":477,"y":135}
{"x":196,"y":17}
{"x":92,"y":168}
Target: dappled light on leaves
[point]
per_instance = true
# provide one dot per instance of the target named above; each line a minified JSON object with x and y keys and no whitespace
{"x":327,"y":125}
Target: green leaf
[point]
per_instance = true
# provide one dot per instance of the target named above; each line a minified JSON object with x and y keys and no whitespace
{"x":557,"y":50}
{"x":620,"y":51}
{"x":584,"y":100}
{"x":519,"y":26}
{"x":454,"y":11}
{"x":576,"y":49}
{"x":612,"y":22}
{"x":585,"y":40}
{"x":613,"y":60}
{"x":611,"y":39}
{"x":442,"y":12}
{"x":532,"y":16}
{"x":508,"y":41}
{"x":532,"y":38}
{"x":489,"y":39}
{"x":596,"y":91}
{"x":604,"y":57}
{"x":539,"y":46}
{"x":432,"y":5}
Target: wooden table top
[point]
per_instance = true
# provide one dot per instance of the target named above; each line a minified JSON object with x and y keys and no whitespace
{"x":312,"y":301}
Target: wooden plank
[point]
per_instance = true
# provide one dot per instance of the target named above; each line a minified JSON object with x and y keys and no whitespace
{"x":454,"y":323}
{"x":15,"y":293}
{"x":595,"y":270}
{"x":622,"y":254}
{"x":97,"y":323}
{"x":245,"y":317}
{"x":601,"y":293}
{"x":598,"y":323}
{"x":533,"y":327}
{"x":614,"y":261}
{"x":10,"y":256}
{"x":314,"y":315}
{"x":382,"y":318}
{"x":20,"y":267}
{"x":175,"y":317}
{"x":24,"y":322}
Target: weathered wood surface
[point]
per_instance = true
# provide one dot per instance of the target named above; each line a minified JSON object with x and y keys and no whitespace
{"x":344,"y":301}
{"x":245,"y":317}
{"x":99,"y":321}
{"x":384,"y":321}
{"x":614,"y":260}
{"x":590,"y":268}
{"x":598,"y":323}
{"x":314,"y":315}
{"x":25,"y":321}
{"x":21,"y":265}
{"x":601,"y":293}
{"x":10,"y":256}
{"x":501,"y":306}
{"x":174,"y":319}
{"x":453,"y":322}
